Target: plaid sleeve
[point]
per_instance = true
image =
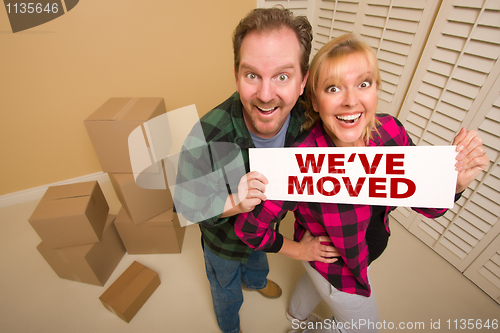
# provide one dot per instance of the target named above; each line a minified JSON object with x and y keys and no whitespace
{"x":256,"y":227}
{"x":206,"y":175}
{"x":393,"y":133}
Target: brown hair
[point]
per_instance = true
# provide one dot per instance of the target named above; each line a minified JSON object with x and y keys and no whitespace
{"x":267,"y":19}
{"x":331,"y":57}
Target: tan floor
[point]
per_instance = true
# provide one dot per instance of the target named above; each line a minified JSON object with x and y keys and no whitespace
{"x":411,"y":282}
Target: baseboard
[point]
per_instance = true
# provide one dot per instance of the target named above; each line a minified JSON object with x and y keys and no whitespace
{"x":36,"y":193}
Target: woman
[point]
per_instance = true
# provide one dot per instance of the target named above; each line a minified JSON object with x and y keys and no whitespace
{"x":341,"y":104}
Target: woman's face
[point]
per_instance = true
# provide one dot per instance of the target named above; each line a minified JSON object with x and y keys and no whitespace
{"x":347,"y":106}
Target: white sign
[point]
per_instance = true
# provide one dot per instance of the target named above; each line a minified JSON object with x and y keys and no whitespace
{"x":414,"y":176}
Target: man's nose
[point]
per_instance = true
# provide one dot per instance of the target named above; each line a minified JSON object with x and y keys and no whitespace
{"x":267,"y":91}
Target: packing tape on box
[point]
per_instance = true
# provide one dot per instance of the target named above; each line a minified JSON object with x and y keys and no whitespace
{"x":126,"y":108}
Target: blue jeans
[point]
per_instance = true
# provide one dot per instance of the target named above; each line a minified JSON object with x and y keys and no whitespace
{"x":225,"y":277}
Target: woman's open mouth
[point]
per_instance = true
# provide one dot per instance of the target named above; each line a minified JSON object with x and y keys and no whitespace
{"x":349,"y":119}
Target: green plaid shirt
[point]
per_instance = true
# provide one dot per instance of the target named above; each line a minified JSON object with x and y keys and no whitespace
{"x":224,"y":124}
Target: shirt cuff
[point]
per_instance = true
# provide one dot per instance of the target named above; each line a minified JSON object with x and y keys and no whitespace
{"x":458,"y":195}
{"x":277,"y":245}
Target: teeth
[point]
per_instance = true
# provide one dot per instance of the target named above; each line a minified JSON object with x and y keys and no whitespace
{"x":350,"y":117}
{"x":266,"y":110}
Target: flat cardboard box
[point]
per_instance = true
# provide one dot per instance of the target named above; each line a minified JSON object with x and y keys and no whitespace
{"x":130,"y":291}
{"x":111,"y":124}
{"x":71,"y":215}
{"x":91,"y":263}
{"x":141,"y":204}
{"x":160,"y":234}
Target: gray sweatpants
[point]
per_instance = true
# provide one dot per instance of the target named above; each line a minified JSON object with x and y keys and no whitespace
{"x":351,"y":313}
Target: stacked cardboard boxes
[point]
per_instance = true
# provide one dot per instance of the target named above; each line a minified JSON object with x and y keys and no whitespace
{"x":146,"y":223}
{"x":79,"y":239}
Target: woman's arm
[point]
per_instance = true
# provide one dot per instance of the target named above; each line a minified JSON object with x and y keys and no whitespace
{"x":256,"y":230}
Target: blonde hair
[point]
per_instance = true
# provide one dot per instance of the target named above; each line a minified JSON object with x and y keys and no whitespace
{"x":331,"y":58}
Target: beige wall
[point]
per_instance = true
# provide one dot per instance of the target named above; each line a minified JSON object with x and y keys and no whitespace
{"x":54,"y":75}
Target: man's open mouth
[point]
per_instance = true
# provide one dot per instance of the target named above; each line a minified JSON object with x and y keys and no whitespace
{"x":267,"y":111}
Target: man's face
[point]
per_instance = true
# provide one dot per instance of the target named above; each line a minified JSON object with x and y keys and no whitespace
{"x":269,"y":79}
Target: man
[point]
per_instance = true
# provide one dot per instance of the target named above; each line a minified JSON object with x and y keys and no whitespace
{"x":271,"y":56}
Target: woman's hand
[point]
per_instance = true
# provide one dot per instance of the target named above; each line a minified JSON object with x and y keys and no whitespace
{"x":471,"y":158}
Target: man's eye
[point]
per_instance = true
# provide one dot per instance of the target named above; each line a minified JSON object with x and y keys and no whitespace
{"x":282,"y":77}
{"x":332,"y":89}
{"x":251,"y":76}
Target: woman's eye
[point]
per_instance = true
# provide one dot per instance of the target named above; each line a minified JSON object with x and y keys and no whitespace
{"x":332,"y":89}
{"x":251,"y":76}
{"x":365,"y":84}
{"x":282,"y":77}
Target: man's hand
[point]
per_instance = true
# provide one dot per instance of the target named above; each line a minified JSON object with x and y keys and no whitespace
{"x":251,"y":191}
{"x":471,"y":158}
{"x":310,"y":249}
{"x":313,"y":249}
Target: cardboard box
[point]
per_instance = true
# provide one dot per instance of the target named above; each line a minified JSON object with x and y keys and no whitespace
{"x":91,"y":263}
{"x":141,"y":204}
{"x":130,"y":291}
{"x":110,"y":125}
{"x":160,"y":234}
{"x":70,"y":215}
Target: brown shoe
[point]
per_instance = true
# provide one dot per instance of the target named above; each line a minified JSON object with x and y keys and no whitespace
{"x":272,"y":290}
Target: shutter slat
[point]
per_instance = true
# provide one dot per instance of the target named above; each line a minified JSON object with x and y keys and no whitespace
{"x":452,"y":43}
{"x":464,"y":235}
{"x":457,"y":29}
{"x":467,"y":15}
{"x":482,"y":49}
{"x":456,"y":250}
{"x":487,"y":34}
{"x":470,"y":76}
{"x":435,"y":79}
{"x":446,"y":56}
{"x":462,"y":88}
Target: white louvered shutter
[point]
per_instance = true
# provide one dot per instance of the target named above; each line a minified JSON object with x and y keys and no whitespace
{"x":456,"y":85}
{"x":485,"y":270}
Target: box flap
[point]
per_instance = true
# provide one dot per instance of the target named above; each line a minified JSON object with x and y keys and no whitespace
{"x":144,"y":109}
{"x":111,"y":109}
{"x":122,"y":108}
{"x":64,"y":207}
{"x":69,"y":191}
